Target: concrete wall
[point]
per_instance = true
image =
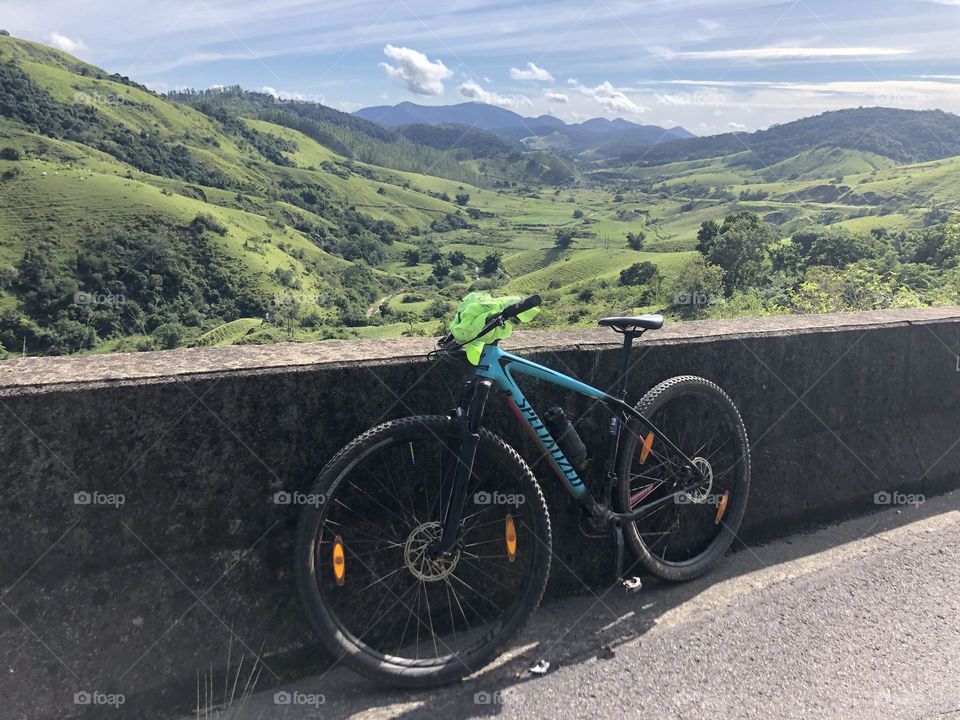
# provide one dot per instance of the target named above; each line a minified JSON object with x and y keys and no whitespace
{"x":145,"y":597}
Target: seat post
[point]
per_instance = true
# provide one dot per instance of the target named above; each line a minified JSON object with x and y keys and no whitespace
{"x":628,"y":337}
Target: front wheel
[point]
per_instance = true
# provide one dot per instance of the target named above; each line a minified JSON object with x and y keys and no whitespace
{"x":377,"y":598}
{"x":682,"y":539}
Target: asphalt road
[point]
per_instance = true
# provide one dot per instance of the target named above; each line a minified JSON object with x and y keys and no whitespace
{"x":859,"y":620}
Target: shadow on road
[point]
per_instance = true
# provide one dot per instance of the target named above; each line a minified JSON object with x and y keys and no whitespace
{"x":589,"y":629}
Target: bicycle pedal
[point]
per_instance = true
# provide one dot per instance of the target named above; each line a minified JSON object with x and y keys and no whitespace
{"x":632,"y":584}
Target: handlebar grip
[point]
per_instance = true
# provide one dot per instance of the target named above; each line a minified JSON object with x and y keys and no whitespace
{"x":522,"y":306}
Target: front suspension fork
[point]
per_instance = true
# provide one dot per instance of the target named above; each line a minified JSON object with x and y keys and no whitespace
{"x":459,"y":465}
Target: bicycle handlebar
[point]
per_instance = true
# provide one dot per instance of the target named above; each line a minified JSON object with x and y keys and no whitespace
{"x":509,"y":312}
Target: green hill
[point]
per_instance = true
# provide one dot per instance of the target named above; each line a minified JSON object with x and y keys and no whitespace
{"x":131,"y":220}
{"x":901,"y":135}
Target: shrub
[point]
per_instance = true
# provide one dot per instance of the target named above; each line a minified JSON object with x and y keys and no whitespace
{"x":168,"y":335}
{"x":639,"y":273}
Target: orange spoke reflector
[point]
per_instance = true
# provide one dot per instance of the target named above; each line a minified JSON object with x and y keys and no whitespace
{"x":647,"y":444}
{"x":339,"y":563}
{"x":511,"y":537}
{"x":721,"y":508}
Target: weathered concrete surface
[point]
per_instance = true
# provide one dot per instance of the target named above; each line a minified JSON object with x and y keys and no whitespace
{"x":142,"y":598}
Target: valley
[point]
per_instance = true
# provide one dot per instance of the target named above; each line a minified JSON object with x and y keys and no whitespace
{"x":134,"y":221}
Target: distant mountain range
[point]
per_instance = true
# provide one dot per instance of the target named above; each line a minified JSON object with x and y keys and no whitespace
{"x":543,"y":132}
{"x":904,"y":136}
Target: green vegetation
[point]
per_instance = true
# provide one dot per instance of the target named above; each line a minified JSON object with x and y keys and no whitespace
{"x":131,"y":221}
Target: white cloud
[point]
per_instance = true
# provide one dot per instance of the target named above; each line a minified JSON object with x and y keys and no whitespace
{"x":347,"y":106}
{"x":785,"y":53}
{"x":421,"y":75}
{"x":293,"y":95}
{"x":62,"y":42}
{"x":473,"y":91}
{"x":556,"y":97}
{"x":712,"y":83}
{"x":611,"y":98}
{"x":737,"y":127}
{"x":531,"y":72}
{"x":705,"y":29}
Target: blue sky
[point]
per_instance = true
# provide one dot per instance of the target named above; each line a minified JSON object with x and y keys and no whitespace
{"x":710,"y":66}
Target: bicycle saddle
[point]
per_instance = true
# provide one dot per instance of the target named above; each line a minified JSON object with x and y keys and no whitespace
{"x":647,"y":322}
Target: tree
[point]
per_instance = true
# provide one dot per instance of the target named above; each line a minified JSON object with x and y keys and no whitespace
{"x":840,"y":248}
{"x":8,"y":276}
{"x":706,"y":236}
{"x":577,"y":214}
{"x":740,"y":246}
{"x":411,"y":257}
{"x":936,"y":216}
{"x":786,"y":257}
{"x":640,"y":273}
{"x":805,"y":239}
{"x":441,"y":268}
{"x":563,"y":238}
{"x":69,"y":336}
{"x":168,"y":335}
{"x":287,"y":315}
{"x":462,"y":199}
{"x":457,"y":257}
{"x":438,"y":308}
{"x":636,"y":240}
{"x":697,"y":285}
{"x":491,"y":263}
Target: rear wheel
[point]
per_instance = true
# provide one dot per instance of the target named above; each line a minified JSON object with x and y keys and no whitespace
{"x":377,"y":599}
{"x":683,"y":539}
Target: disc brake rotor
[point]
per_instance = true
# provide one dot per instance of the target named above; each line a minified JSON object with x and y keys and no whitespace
{"x":418,"y":561}
{"x":700,"y":495}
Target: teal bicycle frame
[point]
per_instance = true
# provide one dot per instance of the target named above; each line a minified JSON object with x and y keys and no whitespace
{"x":499,"y":367}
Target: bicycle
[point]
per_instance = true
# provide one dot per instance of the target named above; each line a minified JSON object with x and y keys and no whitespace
{"x":432,"y":547}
